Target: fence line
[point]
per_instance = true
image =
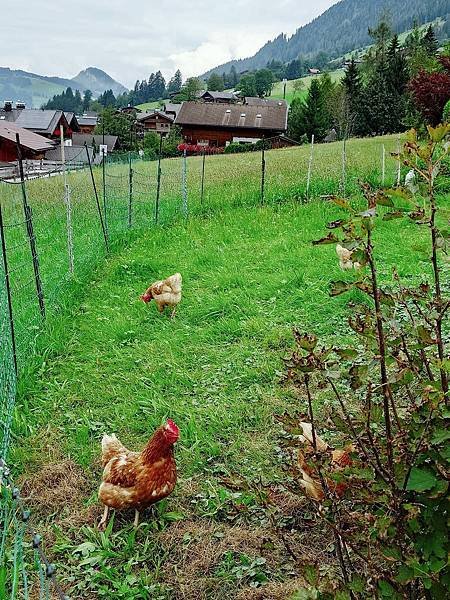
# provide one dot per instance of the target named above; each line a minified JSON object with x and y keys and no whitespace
{"x":53,"y":230}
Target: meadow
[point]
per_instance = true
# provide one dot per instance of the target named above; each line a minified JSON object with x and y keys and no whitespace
{"x":106,"y":362}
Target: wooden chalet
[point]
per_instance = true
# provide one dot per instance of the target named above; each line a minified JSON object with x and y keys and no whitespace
{"x":87,"y":122}
{"x":32,"y":146}
{"x":219,"y":97}
{"x":72,"y":121}
{"x":215,"y":124}
{"x":157,"y":121}
{"x":42,"y":122}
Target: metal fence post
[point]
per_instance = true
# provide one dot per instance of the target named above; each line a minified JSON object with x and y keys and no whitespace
{"x":105,"y":234}
{"x":263,"y":170}
{"x":383,"y":165}
{"x":203,"y":177}
{"x":30,"y":231}
{"x":158,"y":186}
{"x":67,"y":201}
{"x":399,"y":166}
{"x":310,"y":163}
{"x":184,"y":185}
{"x":8,"y":290}
{"x":344,"y":167}
{"x":130,"y":190}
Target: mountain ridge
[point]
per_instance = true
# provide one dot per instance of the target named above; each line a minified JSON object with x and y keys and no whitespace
{"x":321,"y":34}
{"x":35,"y":90}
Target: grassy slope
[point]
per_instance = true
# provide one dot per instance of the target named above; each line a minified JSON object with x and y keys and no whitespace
{"x":147,"y":106}
{"x":116,"y":365}
{"x":278,"y":88}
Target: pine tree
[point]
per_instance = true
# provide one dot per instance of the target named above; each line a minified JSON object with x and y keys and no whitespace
{"x":310,"y":116}
{"x":215,"y":83}
{"x":174,"y":85}
{"x":429,"y":42}
{"x":235,"y":76}
{"x":87,"y":98}
{"x":354,"y":94}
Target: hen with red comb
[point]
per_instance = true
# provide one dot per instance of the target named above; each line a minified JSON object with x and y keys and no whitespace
{"x":138,"y":479}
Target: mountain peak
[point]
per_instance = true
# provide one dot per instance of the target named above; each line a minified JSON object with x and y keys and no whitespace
{"x":98,"y":81}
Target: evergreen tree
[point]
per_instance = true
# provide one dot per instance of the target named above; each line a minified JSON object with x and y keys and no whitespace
{"x":87,"y":98}
{"x":429,"y":42}
{"x":215,"y":83}
{"x":107,"y":99}
{"x":328,"y":88}
{"x":174,"y":85}
{"x":234,"y":76}
{"x":354,"y":94}
{"x":310,"y":116}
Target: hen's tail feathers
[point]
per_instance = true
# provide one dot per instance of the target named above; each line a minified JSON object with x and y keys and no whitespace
{"x":175,"y":282}
{"x":111,"y":446}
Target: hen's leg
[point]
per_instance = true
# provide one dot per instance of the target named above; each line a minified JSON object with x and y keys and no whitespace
{"x":102,"y":524}
{"x":174,"y":310}
{"x":136,"y":518}
{"x":161,"y":307}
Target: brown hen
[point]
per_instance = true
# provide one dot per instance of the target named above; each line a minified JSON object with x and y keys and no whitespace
{"x":165,"y":293}
{"x":138,"y":479}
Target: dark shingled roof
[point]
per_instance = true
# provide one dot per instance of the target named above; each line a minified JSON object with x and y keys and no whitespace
{"x":227,"y":116}
{"x":220,"y":95}
{"x":41,"y":121}
{"x":87,"y":120}
{"x":32,"y":141}
{"x":154,"y":113}
{"x":255,"y":101}
{"x":79,"y":139}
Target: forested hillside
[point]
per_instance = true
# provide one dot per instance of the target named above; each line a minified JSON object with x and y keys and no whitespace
{"x":342,"y":28}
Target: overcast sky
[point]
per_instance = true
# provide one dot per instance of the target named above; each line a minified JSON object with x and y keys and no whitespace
{"x":130,"y":39}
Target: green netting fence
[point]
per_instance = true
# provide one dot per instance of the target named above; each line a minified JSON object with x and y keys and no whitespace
{"x":57,"y":224}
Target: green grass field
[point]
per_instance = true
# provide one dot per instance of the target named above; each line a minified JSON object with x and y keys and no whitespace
{"x":107,"y":362}
{"x":278,"y":88}
{"x":149,"y":106}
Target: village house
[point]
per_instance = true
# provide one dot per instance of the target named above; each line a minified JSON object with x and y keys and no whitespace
{"x":156,"y":120}
{"x":214,"y":124}
{"x":71,"y":119}
{"x":95,"y":141}
{"x":32,"y":146}
{"x":171,"y":109}
{"x":87,"y":122}
{"x":221,"y":97}
{"x":256,"y":101}
{"x":42,"y":122}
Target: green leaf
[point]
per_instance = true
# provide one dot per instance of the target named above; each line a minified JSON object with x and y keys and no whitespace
{"x":346,"y":353}
{"x":437,"y":134}
{"x":329,"y":239}
{"x":340,"y":287}
{"x":393,"y":215}
{"x":405,"y":574}
{"x":421,"y":480}
{"x":384,"y":200}
{"x":342,"y":203}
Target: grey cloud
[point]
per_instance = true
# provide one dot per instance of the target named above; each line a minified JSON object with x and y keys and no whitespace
{"x":129,"y":40}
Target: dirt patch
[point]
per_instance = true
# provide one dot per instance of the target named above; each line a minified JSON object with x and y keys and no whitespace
{"x":197,"y":549}
{"x":58,"y":488}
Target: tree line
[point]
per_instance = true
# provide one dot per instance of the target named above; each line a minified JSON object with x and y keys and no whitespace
{"x":396,"y":86}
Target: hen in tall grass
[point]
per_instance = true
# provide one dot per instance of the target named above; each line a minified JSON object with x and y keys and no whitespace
{"x":138,"y":479}
{"x":165,"y":293}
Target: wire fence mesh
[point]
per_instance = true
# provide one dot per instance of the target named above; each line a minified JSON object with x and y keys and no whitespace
{"x":56,"y":225}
